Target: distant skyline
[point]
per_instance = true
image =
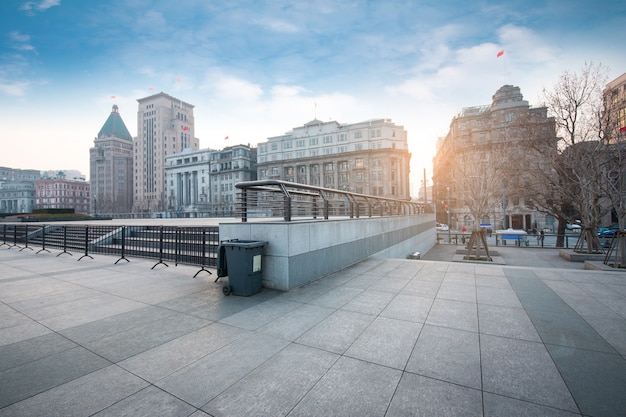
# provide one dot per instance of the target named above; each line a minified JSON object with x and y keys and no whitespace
{"x":256,"y":69}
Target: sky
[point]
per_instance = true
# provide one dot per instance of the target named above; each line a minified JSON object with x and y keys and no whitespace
{"x":258,"y":68}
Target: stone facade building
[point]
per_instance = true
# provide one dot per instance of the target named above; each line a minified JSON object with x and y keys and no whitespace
{"x":202,"y":183}
{"x":165,"y":126}
{"x":485,"y":159}
{"x":17,"y":190}
{"x":60,"y":192}
{"x":369,"y":157}
{"x":111,"y":167}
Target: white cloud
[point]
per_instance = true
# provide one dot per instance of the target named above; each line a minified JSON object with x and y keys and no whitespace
{"x":15,"y":88}
{"x":277,"y":25}
{"x":233,"y":89}
{"x":20,"y":41}
{"x":30,"y":6}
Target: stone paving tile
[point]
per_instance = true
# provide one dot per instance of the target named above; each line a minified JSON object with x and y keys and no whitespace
{"x":297,"y":322}
{"x":31,"y":378}
{"x":497,"y":296}
{"x":498,"y":406}
{"x":337,"y":332}
{"x":201,"y":381}
{"x":457,"y":292}
{"x":447,"y":354}
{"x":261,"y":314}
{"x":386,"y":342}
{"x":276,"y":386}
{"x":369,"y":302}
{"x":145,"y":402}
{"x":420,"y":396}
{"x":494,"y":281}
{"x":506,"y":322}
{"x":408,"y":307}
{"x":596,"y":379}
{"x":337,"y":297}
{"x":83,"y":396}
{"x":454,"y":314}
{"x":523,"y":370}
{"x":350,"y":388}
{"x":32,"y":349}
{"x":163,"y":360}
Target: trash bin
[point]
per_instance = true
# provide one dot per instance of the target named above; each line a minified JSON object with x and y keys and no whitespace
{"x":241,"y":261}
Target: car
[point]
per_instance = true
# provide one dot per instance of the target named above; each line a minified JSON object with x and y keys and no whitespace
{"x":607,"y":232}
{"x":573,"y":226}
{"x":443,"y":227}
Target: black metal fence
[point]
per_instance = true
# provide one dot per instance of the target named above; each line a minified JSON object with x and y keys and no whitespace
{"x":196,"y":246}
{"x":276,"y":198}
{"x":548,"y":240}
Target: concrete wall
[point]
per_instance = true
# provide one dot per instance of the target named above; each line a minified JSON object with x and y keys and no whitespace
{"x":302,"y":251}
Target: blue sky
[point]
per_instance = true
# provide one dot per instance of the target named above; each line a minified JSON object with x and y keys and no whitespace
{"x":256,"y":69}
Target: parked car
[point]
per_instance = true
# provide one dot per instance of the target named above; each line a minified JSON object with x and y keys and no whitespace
{"x":443,"y":227}
{"x":575,"y":227}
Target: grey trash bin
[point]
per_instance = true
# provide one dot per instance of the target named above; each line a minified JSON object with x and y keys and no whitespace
{"x":241,"y":261}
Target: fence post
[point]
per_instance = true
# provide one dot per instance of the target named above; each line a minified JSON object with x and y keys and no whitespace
{"x":43,"y":240}
{"x":64,"y":242}
{"x":244,"y":202}
{"x":203,"y":254}
{"x":26,"y":240}
{"x":14,"y":238}
{"x":86,"y":244}
{"x":123,"y":246}
{"x":4,"y":235}
{"x":287,"y":208}
{"x":160,"y":250}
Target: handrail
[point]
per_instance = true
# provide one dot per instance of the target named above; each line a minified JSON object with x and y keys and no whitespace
{"x":309,"y":194}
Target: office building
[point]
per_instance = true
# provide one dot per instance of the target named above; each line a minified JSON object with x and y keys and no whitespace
{"x":17,"y":190}
{"x":111,"y":167}
{"x":369,"y":157}
{"x":202,"y":183}
{"x":165,"y":126}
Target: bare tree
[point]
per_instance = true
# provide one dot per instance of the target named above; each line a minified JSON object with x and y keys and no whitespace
{"x":613,"y":170}
{"x":575,"y":103}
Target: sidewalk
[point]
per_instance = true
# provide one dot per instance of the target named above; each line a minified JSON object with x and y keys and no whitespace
{"x":385,"y":337}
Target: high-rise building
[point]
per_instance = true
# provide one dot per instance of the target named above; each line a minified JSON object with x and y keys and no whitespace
{"x":369,"y":157}
{"x":165,"y":126}
{"x":111,"y":167}
{"x":202,"y":183}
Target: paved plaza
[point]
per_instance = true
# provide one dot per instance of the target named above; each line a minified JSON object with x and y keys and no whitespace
{"x":538,"y":336}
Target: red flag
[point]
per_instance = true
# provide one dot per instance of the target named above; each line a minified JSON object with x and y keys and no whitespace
{"x":622,"y":129}
{"x":112,"y":96}
{"x":186,"y":128}
{"x":500,"y":54}
{"x":226,"y":138}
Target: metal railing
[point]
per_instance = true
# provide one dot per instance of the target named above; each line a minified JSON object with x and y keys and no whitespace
{"x":549,"y":240}
{"x":196,"y":246}
{"x":276,"y":198}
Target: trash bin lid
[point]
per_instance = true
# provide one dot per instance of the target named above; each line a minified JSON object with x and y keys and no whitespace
{"x":243,"y":243}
